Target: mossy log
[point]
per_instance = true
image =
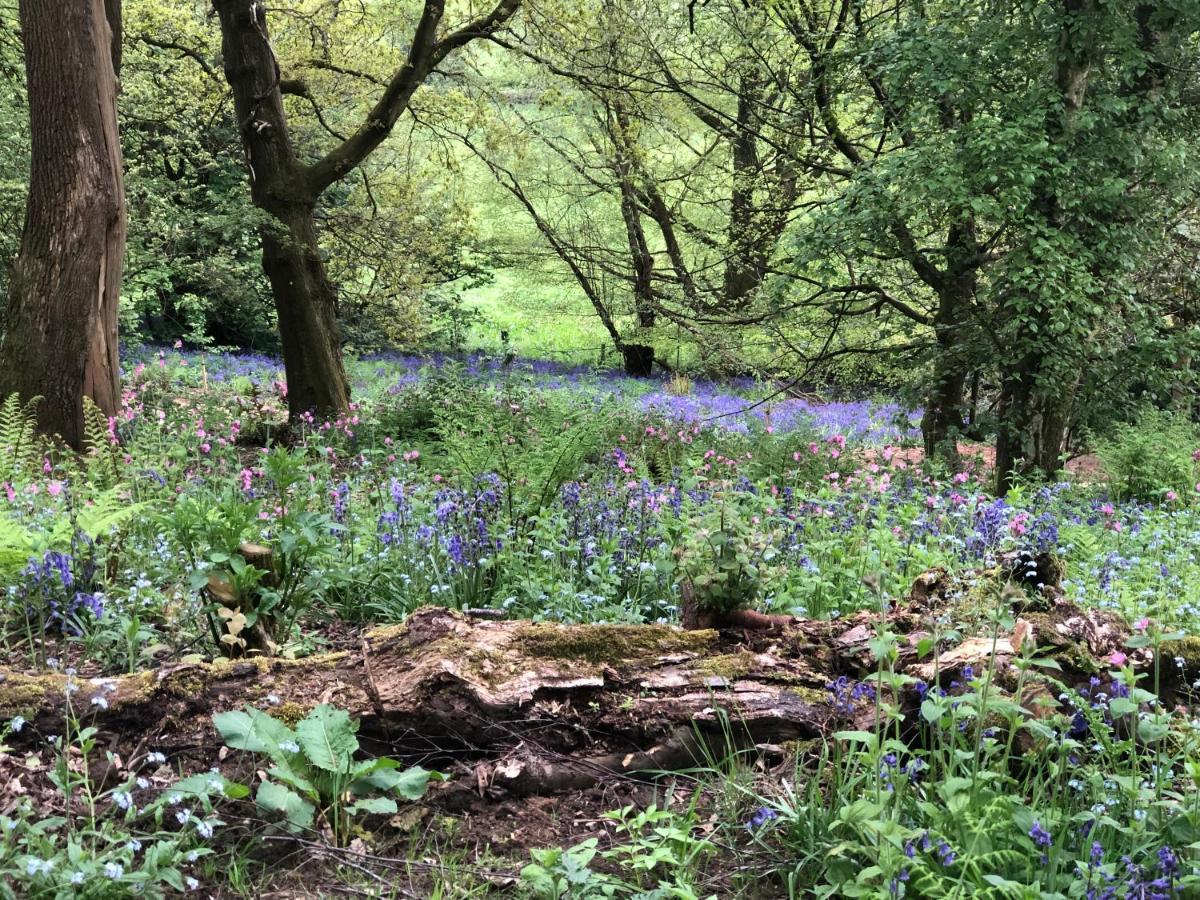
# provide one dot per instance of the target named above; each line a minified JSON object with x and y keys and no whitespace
{"x":537,"y":707}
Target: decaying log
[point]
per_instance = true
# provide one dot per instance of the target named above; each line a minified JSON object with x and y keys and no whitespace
{"x":536,"y":707}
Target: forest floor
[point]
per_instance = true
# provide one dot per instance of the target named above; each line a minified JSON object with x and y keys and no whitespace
{"x":910,"y":679}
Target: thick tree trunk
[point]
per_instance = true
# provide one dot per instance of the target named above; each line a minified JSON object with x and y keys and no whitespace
{"x":305,"y":303}
{"x":61,"y":337}
{"x":944,"y":408}
{"x":543,"y":707}
{"x":305,"y":298}
{"x":639,"y":360}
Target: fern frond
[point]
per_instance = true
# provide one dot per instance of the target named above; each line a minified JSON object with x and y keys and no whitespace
{"x":103,"y":459}
{"x":21,"y":445}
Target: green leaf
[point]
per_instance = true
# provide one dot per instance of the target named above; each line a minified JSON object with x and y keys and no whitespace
{"x":327,"y":736}
{"x":373,"y":805}
{"x":1122,"y":706}
{"x":296,"y":810}
{"x":254,"y":731}
{"x":413,"y":782}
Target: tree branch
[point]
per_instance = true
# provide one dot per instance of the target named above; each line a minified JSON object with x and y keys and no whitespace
{"x":423,"y":56}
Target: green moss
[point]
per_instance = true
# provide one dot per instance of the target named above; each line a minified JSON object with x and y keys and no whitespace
{"x":1187,"y":649}
{"x":289,"y":713}
{"x":728,"y":665}
{"x":22,"y":694}
{"x":609,"y":643}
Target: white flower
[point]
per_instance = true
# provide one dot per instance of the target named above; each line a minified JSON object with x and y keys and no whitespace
{"x":289,"y":746}
{"x":191,"y":883}
{"x":76,"y":878}
{"x":123,"y":799}
{"x":183,"y":815}
{"x":100,"y":702}
{"x":134,"y":846}
{"x":16,"y":724}
{"x":273,"y":699}
{"x":192,"y":856}
{"x":37,"y":866}
{"x":156,"y":757}
{"x":114,"y":870}
{"x":204,"y":828}
{"x":143,"y":783}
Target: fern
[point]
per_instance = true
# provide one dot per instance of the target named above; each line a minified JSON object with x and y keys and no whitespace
{"x":104,"y":464}
{"x":20,"y":442}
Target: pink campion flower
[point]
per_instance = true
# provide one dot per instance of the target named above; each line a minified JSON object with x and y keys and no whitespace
{"x":1172,"y":496}
{"x":205,"y":447}
{"x":1019,"y":524}
{"x":9,"y":492}
{"x":796,"y":456}
{"x":178,"y":345}
{"x":54,"y":488}
{"x":1107,"y":509}
{"x":835,"y":453}
{"x":46,"y":467}
{"x":1141,"y":624}
{"x":1115,"y":525}
{"x":1118,"y":658}
{"x":247,"y":476}
{"x":1196,"y":455}
{"x":813,"y":448}
{"x":888,"y":452}
{"x":960,"y":478}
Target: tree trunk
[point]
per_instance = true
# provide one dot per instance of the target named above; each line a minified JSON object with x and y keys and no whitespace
{"x":545,"y":707}
{"x":61,"y":338}
{"x":305,"y":298}
{"x":942,"y":422}
{"x":639,"y":360}
{"x":305,"y":303}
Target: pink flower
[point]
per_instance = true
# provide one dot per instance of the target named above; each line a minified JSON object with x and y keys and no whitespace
{"x":960,"y":478}
{"x":1141,"y":624}
{"x":1172,"y":496}
{"x":178,"y":345}
{"x":1118,"y":658}
{"x":54,"y":488}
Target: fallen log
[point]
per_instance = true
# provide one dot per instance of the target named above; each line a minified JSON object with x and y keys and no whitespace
{"x":543,"y":707}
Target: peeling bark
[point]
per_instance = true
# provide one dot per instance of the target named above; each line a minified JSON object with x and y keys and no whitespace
{"x":530,"y":708}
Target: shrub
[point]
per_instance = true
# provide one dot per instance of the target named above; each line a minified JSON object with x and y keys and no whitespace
{"x":1147,"y":459}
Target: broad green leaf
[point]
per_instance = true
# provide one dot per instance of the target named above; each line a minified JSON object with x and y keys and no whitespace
{"x":327,"y":736}
{"x":274,"y":797}
{"x":254,"y":731}
{"x":373,"y":805}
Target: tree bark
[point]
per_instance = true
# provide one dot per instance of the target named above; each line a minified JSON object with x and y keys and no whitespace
{"x":289,"y":190}
{"x":305,"y":298}
{"x":545,"y":707}
{"x":61,"y":338}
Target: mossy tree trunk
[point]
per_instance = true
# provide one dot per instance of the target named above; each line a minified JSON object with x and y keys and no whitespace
{"x":543,"y":707}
